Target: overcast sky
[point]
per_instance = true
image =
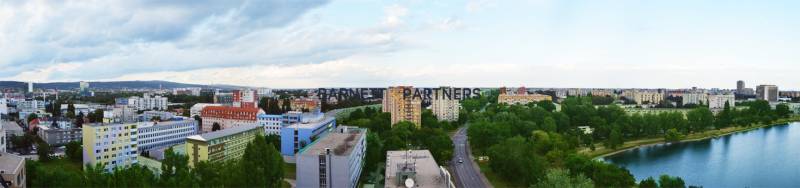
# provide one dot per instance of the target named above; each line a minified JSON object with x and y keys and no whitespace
{"x":366,"y":43}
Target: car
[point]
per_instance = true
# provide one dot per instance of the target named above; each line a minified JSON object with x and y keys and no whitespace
{"x":460,"y":160}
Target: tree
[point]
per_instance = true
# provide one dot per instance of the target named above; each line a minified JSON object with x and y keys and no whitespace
{"x":782,"y":110}
{"x":673,"y":135}
{"x":70,"y":110}
{"x":558,"y":178}
{"x":216,"y":127}
{"x":514,"y":160}
{"x":175,"y":170}
{"x":44,"y":151}
{"x":615,"y":138}
{"x":79,"y":119}
{"x":74,"y":151}
{"x":263,"y":163}
{"x":725,"y":117}
{"x":375,"y":153}
{"x":699,"y":119}
{"x":31,"y":117}
{"x":648,"y":183}
{"x":666,"y":181}
{"x":547,"y":105}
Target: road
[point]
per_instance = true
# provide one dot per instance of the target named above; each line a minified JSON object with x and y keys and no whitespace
{"x":467,"y":174}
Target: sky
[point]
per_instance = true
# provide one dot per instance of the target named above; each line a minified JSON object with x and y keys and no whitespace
{"x":426,"y":43}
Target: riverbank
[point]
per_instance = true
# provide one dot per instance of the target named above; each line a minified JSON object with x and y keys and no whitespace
{"x":601,"y":151}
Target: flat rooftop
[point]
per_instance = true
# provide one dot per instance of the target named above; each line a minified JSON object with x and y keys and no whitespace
{"x":222,"y":133}
{"x":340,"y":143}
{"x":313,"y":124}
{"x":10,"y":162}
{"x":422,"y":161}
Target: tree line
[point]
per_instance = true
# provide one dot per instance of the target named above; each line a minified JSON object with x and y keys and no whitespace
{"x":383,"y":136}
{"x":261,"y":166}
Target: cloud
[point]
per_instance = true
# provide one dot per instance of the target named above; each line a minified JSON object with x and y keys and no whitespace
{"x":394,"y":15}
{"x":100,"y":40}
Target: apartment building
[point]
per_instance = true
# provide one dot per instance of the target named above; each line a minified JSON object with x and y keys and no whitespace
{"x":402,"y":108}
{"x":113,"y":145}
{"x":445,"y":108}
{"x":221,"y":145}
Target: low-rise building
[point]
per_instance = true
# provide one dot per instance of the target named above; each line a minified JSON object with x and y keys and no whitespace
{"x":223,"y":145}
{"x":164,"y":134}
{"x":56,"y":136}
{"x":159,"y":115}
{"x":335,"y":160}
{"x":305,"y":104}
{"x":197,"y":108}
{"x":12,"y":168}
{"x":113,"y":145}
{"x":522,"y":99}
{"x":417,"y":168}
{"x":228,"y":116}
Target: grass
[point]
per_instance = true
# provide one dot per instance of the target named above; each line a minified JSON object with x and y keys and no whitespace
{"x":289,"y":171}
{"x":601,"y":150}
{"x":63,"y":164}
{"x":494,"y":179}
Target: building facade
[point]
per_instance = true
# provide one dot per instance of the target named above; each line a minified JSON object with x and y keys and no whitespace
{"x":113,"y":145}
{"x":335,"y":160}
{"x":718,"y":101}
{"x":56,"y":136}
{"x":12,"y":168}
{"x":402,"y":108}
{"x":695,"y":98}
{"x":522,"y":99}
{"x":305,"y":104}
{"x":197,"y":108}
{"x":272,"y":124}
{"x":228,"y":116}
{"x":246,"y":98}
{"x":297,"y":136}
{"x":221,"y":145}
{"x":445,"y":108}
{"x":767,"y":93}
{"x":163,"y":134}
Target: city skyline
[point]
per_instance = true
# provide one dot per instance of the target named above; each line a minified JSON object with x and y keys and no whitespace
{"x":352,"y":43}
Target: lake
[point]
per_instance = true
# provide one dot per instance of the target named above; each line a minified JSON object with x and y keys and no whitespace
{"x":766,"y":157}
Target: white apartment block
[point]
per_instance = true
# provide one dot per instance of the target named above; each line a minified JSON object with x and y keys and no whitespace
{"x":718,"y":101}
{"x":443,"y":108}
{"x":695,"y":98}
{"x":148,"y":102}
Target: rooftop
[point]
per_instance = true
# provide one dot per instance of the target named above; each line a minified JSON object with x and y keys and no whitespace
{"x":312,"y":124}
{"x":222,"y":133}
{"x":419,"y":161}
{"x":10,"y":162}
{"x":341,"y":141}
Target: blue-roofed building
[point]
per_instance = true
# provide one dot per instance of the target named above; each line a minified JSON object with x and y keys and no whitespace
{"x":300,"y":134}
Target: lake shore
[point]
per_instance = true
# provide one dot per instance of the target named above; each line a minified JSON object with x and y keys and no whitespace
{"x":601,"y":152}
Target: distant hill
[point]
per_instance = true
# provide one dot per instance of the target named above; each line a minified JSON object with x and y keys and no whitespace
{"x":111,"y":85}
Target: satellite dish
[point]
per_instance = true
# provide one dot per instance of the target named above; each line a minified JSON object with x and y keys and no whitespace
{"x":409,"y":182}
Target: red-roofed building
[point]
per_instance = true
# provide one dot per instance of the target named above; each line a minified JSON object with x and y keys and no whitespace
{"x":228,"y":116}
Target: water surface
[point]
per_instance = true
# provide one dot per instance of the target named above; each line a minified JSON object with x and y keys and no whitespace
{"x":766,"y":157}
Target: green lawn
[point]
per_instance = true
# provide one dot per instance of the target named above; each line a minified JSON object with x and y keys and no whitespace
{"x":289,"y":171}
{"x":65,"y":164}
{"x":494,"y":179}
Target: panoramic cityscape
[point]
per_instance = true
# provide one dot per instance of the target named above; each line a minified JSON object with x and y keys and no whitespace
{"x":399,"y":94}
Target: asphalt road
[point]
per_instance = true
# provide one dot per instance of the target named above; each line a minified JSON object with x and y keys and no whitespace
{"x":467,"y":174}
